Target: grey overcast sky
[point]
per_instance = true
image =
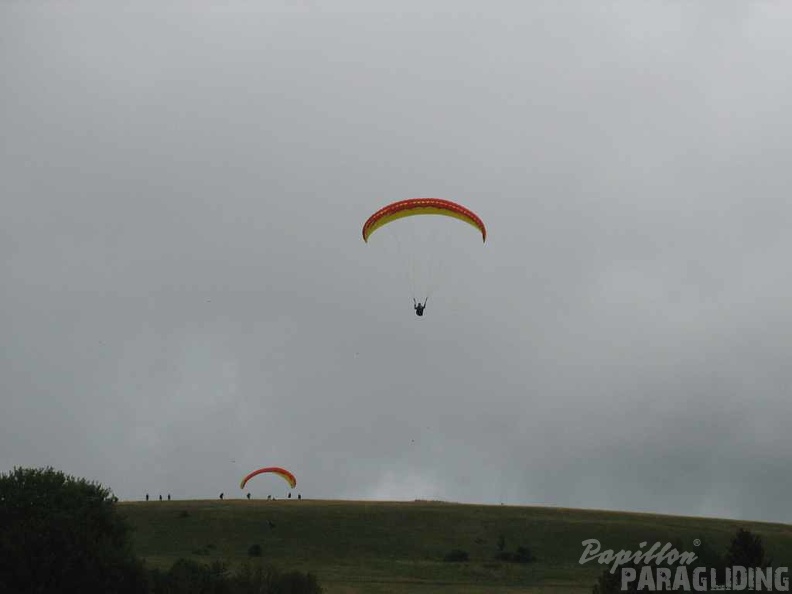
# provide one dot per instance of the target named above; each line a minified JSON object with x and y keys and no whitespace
{"x":186,"y":295}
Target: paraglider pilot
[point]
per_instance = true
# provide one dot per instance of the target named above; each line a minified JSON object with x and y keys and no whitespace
{"x":419,"y":307}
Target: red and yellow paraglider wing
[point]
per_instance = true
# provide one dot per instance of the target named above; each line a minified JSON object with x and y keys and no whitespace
{"x":422,"y":206}
{"x":282,"y":472}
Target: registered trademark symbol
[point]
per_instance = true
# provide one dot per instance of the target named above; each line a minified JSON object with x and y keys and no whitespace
{"x":696,"y":542}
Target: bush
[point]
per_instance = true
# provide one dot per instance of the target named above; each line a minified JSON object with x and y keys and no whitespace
{"x":63,"y":534}
{"x":746,"y":549}
{"x":191,"y":577}
{"x":523,"y":555}
{"x":295,"y":582}
{"x":254,"y":550}
{"x":456,"y":556}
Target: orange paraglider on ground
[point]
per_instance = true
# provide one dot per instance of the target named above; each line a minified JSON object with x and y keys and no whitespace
{"x":282,"y":472}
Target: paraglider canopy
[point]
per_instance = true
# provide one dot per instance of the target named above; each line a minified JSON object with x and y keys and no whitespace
{"x":422,"y":206}
{"x":426,"y":247}
{"x":282,"y":472}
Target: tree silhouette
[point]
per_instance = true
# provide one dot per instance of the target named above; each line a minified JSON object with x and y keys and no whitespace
{"x":62,"y":534}
{"x":746,"y":549}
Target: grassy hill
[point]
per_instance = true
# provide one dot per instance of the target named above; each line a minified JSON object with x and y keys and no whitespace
{"x":357,"y":547}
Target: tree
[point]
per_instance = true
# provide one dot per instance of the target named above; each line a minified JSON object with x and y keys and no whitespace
{"x":746,"y":549}
{"x":62,"y":534}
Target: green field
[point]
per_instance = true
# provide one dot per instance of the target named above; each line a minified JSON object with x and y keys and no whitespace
{"x":357,"y":547}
